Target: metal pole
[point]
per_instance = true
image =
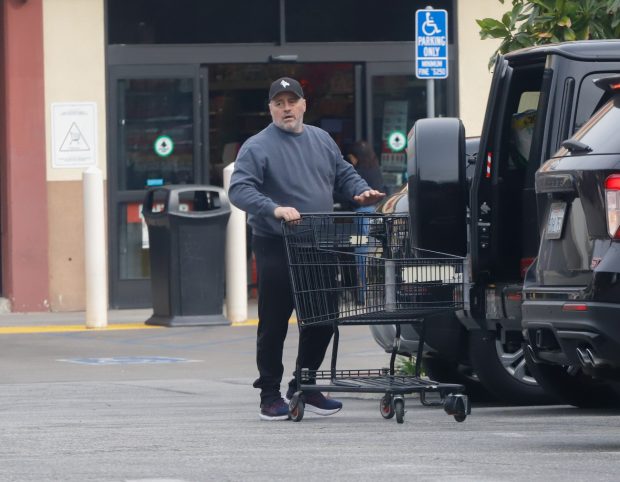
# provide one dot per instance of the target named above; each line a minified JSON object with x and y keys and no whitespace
{"x":95,"y":249}
{"x":358,"y":102}
{"x":236,"y":260}
{"x":390,"y":285}
{"x":430,"y":98}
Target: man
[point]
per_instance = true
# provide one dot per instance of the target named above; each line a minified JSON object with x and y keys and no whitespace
{"x":286,"y":169}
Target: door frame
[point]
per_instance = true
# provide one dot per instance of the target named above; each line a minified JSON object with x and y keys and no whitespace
{"x":126,"y":293}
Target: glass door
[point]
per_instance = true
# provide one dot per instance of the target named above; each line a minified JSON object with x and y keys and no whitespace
{"x":238,"y":104}
{"x":184,"y":124}
{"x":396,"y":99}
{"x":155,"y":139}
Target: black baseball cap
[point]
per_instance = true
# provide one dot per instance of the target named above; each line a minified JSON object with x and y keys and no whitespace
{"x":285,"y":84}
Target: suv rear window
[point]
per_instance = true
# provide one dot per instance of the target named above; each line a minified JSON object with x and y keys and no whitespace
{"x":600,"y":132}
{"x":590,"y":98}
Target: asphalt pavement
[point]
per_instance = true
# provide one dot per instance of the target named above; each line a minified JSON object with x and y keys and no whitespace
{"x":137,"y":403}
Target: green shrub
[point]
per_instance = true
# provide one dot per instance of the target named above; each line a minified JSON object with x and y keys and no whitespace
{"x":536,"y":22}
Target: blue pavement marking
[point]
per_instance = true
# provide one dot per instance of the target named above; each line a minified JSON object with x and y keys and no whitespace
{"x":127,"y":360}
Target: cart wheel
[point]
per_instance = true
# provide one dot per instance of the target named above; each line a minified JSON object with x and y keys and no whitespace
{"x":451,"y":405}
{"x":460,"y":417}
{"x":386,"y":407}
{"x":399,"y":409}
{"x":296,"y":408}
{"x":458,"y":406}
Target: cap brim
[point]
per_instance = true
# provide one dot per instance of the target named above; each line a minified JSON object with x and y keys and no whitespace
{"x":286,"y":91}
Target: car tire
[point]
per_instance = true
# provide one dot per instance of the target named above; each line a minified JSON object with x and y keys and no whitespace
{"x":446,"y":371}
{"x":503,"y":373}
{"x":571,"y":385}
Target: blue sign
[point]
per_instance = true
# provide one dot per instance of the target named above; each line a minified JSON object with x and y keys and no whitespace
{"x":431,"y":35}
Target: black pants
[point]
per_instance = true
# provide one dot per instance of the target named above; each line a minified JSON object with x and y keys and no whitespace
{"x":275,"y":307}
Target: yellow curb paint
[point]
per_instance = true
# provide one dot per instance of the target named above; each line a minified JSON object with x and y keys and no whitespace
{"x":254,"y":322}
{"x":22,"y":330}
{"x":245,"y":323}
{"x":17,"y":330}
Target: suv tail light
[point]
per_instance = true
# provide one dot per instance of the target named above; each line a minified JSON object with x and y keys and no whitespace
{"x":524,"y":265}
{"x":612,"y":202}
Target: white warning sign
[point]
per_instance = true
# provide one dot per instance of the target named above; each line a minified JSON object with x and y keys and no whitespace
{"x":74,"y":135}
{"x":74,"y":140}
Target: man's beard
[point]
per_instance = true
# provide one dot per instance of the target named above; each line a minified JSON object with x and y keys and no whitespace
{"x":290,"y":126}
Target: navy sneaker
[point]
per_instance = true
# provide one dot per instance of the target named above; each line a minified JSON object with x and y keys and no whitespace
{"x":316,"y":402}
{"x":277,"y":410}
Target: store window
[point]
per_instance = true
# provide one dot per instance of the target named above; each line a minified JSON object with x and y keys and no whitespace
{"x":238,"y":104}
{"x":258,"y":21}
{"x":156,"y":132}
{"x":398,"y":102}
{"x":193,"y":21}
{"x":133,"y":243}
{"x":356,"y":20}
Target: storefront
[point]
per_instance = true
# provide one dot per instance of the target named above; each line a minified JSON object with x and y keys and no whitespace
{"x":196,"y":74}
{"x":171,"y":89}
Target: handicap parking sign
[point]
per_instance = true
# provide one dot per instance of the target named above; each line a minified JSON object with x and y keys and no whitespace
{"x":431,"y":34}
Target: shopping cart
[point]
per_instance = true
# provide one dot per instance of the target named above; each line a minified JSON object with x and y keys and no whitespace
{"x":360,"y":269}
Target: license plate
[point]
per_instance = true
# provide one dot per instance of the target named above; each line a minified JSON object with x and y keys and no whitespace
{"x":555,"y":221}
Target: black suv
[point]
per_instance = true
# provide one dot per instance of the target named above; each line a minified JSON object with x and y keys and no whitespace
{"x":571,"y":309}
{"x":540,"y":96}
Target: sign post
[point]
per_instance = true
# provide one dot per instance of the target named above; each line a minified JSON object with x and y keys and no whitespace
{"x":431,"y":34}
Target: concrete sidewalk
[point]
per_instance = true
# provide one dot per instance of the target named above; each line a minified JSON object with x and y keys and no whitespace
{"x":117,"y":319}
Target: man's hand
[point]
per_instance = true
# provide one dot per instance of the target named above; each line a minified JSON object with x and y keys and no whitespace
{"x":368,"y":197}
{"x":288,"y":214}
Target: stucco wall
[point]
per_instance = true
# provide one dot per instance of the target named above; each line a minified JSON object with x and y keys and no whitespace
{"x":474,"y":54}
{"x":74,"y":73}
{"x":24,"y":229}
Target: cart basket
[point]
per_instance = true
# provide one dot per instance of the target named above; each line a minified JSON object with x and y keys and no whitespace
{"x":355,"y":268}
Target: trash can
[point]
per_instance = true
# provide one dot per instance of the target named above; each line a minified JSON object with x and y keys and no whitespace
{"x":187,"y":241}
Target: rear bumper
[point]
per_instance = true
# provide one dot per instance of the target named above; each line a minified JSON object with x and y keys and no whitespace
{"x":444,"y":335}
{"x":557,"y":336}
{"x":385,"y":336}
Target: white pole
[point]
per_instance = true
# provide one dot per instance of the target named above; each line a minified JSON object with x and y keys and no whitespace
{"x":95,"y":249}
{"x":236,"y":260}
{"x":430,"y":98}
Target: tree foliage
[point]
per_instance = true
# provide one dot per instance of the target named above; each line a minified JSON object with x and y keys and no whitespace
{"x":535,"y":22}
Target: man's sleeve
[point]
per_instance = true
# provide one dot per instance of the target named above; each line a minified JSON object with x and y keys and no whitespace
{"x":246,"y":181}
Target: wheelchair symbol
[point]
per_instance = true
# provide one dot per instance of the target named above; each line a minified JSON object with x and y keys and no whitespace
{"x":429,"y":27}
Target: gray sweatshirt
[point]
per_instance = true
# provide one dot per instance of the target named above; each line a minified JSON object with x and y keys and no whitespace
{"x":279,"y":168}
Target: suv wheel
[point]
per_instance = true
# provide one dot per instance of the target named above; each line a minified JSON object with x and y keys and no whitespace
{"x":502,"y":369}
{"x":573,"y":386}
